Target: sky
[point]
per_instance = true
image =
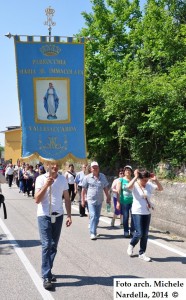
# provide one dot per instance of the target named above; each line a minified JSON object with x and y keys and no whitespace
{"x":27,"y":18}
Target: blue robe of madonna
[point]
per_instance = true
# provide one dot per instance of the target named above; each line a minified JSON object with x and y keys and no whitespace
{"x":51,"y":103}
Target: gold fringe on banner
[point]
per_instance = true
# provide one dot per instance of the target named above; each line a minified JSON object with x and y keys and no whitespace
{"x":71,"y":157}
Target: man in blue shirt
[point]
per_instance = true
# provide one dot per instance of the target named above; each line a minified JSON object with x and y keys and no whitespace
{"x":93,"y":186}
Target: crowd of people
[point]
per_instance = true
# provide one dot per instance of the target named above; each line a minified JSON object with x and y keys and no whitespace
{"x":130,"y":195}
{"x":24,"y":176}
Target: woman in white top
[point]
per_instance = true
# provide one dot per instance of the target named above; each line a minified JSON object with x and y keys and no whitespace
{"x":117,"y":212}
{"x":142,"y":188}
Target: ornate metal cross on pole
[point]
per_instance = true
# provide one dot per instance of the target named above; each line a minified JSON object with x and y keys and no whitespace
{"x":49,"y":13}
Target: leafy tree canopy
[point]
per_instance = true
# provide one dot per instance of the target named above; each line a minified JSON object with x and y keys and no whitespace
{"x":136,"y":82}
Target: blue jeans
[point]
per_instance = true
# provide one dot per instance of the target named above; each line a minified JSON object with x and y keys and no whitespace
{"x":49,"y":235}
{"x":94,"y":212}
{"x":141,"y":224}
{"x":126,"y":212}
{"x":21,"y":185}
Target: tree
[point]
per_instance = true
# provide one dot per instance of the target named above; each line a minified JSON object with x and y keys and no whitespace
{"x":108,"y":27}
{"x":135,"y":102}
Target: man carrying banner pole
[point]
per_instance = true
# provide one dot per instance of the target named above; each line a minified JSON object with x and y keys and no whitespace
{"x":49,"y":190}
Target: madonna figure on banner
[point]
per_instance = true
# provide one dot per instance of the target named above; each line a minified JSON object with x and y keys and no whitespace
{"x":51,"y":102}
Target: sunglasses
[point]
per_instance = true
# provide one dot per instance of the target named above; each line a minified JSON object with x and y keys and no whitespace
{"x":121,"y":173}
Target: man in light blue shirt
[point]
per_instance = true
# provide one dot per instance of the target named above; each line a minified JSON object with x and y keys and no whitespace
{"x":93,"y":186}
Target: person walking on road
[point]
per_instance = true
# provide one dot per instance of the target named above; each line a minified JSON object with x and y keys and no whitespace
{"x":9,"y":173}
{"x":70,"y":176}
{"x":93,"y":186}
{"x":117,"y":212}
{"x":124,"y":201}
{"x":49,"y":190}
{"x":2,"y":180}
{"x":78,"y":189}
{"x":142,"y":188}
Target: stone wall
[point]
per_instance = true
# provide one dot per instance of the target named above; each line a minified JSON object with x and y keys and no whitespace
{"x":170,"y":208}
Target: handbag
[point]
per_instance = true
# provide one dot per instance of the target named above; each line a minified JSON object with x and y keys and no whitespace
{"x":2,"y":201}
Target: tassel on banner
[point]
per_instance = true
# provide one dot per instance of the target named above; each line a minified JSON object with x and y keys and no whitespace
{"x":69,"y":39}
{"x":50,"y":39}
{"x":56,"y":39}
{"x":43,"y":39}
{"x":17,"y":38}
{"x":82,"y":40}
{"x":30,"y":38}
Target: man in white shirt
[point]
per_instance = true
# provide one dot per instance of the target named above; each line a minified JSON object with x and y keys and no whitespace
{"x":10,"y":174}
{"x":49,"y":190}
{"x":78,"y":188}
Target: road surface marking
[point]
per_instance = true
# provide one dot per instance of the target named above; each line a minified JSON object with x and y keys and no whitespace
{"x":30,"y":269}
{"x":105,"y":220}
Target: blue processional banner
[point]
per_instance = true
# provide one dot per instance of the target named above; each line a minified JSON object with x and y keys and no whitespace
{"x":51,"y":90}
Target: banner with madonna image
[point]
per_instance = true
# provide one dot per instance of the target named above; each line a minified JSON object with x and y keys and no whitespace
{"x":51,"y":90}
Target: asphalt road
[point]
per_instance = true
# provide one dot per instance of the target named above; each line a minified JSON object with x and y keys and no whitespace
{"x":85,"y":269}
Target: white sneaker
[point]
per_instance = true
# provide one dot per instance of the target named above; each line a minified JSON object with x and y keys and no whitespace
{"x":130,"y":250}
{"x":92,"y":237}
{"x":144,"y":257}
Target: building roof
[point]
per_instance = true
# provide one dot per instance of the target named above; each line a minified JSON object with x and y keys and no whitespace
{"x":11,"y":128}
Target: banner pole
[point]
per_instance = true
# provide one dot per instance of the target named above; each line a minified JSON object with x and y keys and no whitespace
{"x":50,"y":193}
